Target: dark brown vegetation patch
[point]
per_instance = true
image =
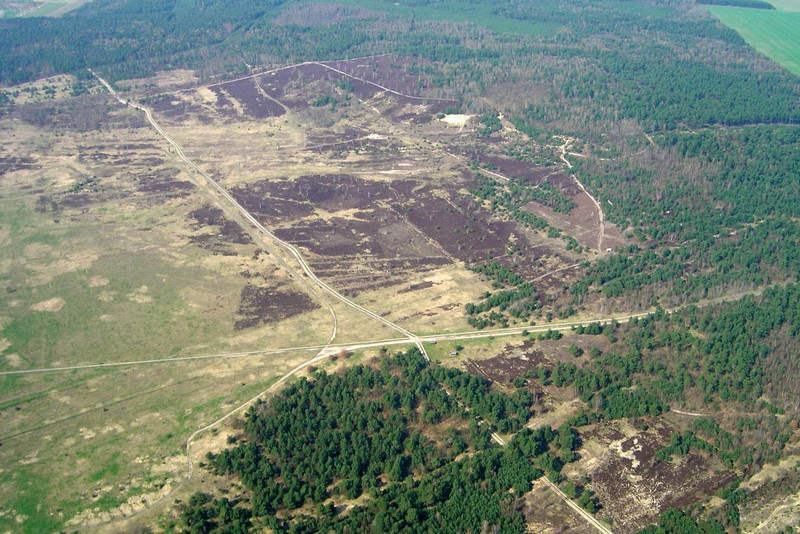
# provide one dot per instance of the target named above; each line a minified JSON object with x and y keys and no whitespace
{"x":388,"y":71}
{"x":163,"y":181}
{"x":264,"y":305}
{"x":17,"y":163}
{"x":635,"y":487}
{"x":224,"y":233}
{"x":509,"y":365}
{"x":459,"y":224}
{"x":81,"y":114}
{"x":417,"y":287}
{"x":255,"y":104}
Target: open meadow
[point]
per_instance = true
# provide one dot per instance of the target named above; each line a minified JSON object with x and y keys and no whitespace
{"x":774,"y":33}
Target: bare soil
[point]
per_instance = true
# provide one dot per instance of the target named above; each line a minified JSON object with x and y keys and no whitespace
{"x":634,"y":487}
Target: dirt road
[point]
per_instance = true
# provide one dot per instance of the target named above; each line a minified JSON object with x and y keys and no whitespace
{"x":563,"y":151}
{"x":232,"y":202}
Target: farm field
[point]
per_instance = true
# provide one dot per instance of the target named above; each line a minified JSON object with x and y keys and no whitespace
{"x":32,"y":8}
{"x":775,"y":34}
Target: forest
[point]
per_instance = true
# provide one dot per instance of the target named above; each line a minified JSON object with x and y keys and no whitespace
{"x":399,"y":430}
{"x":396,"y":431}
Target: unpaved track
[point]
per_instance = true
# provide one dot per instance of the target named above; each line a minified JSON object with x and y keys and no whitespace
{"x":583,"y":513}
{"x":764,"y":524}
{"x":266,"y":95}
{"x":382,"y":88}
{"x":563,"y":150}
{"x":293,"y":251}
{"x":329,"y":348}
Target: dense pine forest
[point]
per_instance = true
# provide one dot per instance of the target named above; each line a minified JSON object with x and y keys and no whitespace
{"x":362,"y":431}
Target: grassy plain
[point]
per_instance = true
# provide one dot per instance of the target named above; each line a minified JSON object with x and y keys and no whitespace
{"x":110,"y":256}
{"x":776,"y":34}
{"x":786,"y":5}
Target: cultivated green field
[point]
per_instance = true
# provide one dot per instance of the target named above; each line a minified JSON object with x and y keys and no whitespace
{"x":786,"y":5}
{"x":48,"y":8}
{"x":776,"y":34}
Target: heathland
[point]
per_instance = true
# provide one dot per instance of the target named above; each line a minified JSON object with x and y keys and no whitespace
{"x":397,"y":266}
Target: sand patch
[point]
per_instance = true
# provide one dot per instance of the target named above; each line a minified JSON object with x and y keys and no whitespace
{"x":52,"y":305}
{"x":106,"y":296}
{"x":97,"y":281}
{"x":140,"y":295}
{"x":30,"y":459}
{"x":86,"y":433}
{"x":13,"y":360}
{"x":4,"y":344}
{"x":112,"y":428}
{"x":209,"y":96}
{"x":67,"y":264}
{"x":456,"y":119}
{"x":106,"y":318}
{"x":37,"y":250}
{"x":134,"y":504}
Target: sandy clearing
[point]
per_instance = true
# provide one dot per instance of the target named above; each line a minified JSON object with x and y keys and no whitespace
{"x":456,"y":119}
{"x":86,"y":433}
{"x":4,"y":344}
{"x":13,"y":360}
{"x":52,"y":305}
{"x":97,"y":281}
{"x":37,"y":250}
{"x":140,"y":295}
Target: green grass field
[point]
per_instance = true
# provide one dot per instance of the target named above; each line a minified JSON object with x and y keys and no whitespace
{"x":776,"y":34}
{"x":42,"y":8}
{"x":786,"y":5}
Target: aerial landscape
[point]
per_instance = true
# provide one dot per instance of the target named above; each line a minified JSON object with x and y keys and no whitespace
{"x":468,"y":266}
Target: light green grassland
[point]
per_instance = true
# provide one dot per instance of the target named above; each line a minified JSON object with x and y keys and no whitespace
{"x":45,"y":8}
{"x":776,"y":34}
{"x":115,"y":281}
{"x":97,"y":439}
{"x":786,"y":5}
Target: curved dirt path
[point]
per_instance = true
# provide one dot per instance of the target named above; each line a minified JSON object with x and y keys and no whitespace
{"x":583,"y":513}
{"x":291,"y":249}
{"x":266,"y":95}
{"x":765,"y":523}
{"x":563,"y":150}
{"x":381,"y":87}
